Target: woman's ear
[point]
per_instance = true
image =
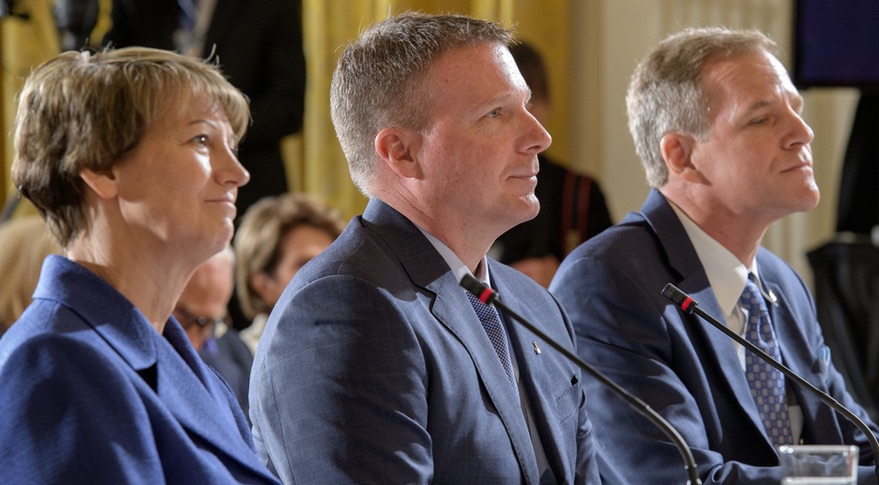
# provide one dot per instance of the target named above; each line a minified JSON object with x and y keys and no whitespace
{"x":397,"y":148}
{"x":103,"y":183}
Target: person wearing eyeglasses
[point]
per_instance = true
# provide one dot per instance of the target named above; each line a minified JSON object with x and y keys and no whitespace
{"x":202,"y":310}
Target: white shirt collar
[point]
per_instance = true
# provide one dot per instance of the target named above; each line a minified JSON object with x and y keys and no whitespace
{"x":726,"y":274}
{"x":458,"y":267}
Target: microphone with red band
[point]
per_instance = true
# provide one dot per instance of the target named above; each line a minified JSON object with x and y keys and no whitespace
{"x":487,"y":296}
{"x":689,"y":305}
{"x":490,"y":297}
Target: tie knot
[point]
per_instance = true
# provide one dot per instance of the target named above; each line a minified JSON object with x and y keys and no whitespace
{"x":751,"y":295}
{"x":483,"y":311}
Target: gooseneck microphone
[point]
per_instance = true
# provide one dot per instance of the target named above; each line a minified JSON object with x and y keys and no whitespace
{"x":691,"y":306}
{"x":490,"y":297}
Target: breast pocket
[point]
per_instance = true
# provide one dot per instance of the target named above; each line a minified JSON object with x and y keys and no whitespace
{"x":569,"y":401}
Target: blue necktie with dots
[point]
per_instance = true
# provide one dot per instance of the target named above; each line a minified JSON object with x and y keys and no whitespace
{"x":496,"y":334}
{"x":765,"y":381}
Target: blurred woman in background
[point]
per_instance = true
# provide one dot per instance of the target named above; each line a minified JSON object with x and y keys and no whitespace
{"x":24,"y":244}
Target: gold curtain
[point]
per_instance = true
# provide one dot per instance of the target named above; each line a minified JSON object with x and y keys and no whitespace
{"x":315,"y":161}
{"x":24,"y":43}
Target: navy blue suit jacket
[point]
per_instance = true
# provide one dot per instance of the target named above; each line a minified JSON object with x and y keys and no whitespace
{"x":90,"y":393}
{"x":374,"y":368}
{"x":685,"y":369}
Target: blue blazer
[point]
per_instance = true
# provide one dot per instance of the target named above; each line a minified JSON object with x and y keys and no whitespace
{"x":92,"y":394}
{"x":684,"y":368}
{"x":374,"y":368}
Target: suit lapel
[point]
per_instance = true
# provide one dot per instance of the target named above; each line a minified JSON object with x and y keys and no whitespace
{"x":452,"y":309}
{"x":795,"y":351}
{"x":796,"y":355}
{"x":722,"y":353}
{"x":683,"y":259}
{"x":180,"y":378}
{"x":183,"y":380}
{"x":536,"y":369}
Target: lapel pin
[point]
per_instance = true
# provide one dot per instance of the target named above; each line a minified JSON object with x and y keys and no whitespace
{"x":536,"y":348}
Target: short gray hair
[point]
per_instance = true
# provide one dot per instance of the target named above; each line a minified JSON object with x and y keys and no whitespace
{"x":666,"y":92}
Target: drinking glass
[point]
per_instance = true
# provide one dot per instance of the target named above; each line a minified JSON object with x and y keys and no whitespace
{"x":818,"y":464}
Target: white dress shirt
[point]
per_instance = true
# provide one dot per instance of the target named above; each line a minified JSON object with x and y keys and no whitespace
{"x":727,"y":276}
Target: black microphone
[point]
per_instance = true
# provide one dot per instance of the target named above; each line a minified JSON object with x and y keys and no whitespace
{"x":489,"y":297}
{"x":689,"y":305}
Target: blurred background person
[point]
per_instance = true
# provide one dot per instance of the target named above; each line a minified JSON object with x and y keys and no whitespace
{"x":129,"y":155}
{"x":572,"y":206}
{"x":258,"y":43}
{"x":276,"y":237}
{"x":75,"y":21}
{"x":202,"y":311}
{"x":24,"y":244}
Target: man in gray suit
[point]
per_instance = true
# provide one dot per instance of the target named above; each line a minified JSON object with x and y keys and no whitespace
{"x":374,"y":366}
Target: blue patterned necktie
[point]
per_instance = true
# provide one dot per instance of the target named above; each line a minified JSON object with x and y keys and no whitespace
{"x":765,"y":381}
{"x":496,"y":334}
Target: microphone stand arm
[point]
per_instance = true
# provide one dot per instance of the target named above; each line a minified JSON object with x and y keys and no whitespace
{"x":687,"y":304}
{"x":489,"y":296}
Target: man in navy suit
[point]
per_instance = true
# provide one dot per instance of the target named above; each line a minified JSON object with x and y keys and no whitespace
{"x":374,"y":366}
{"x":717,"y":124}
